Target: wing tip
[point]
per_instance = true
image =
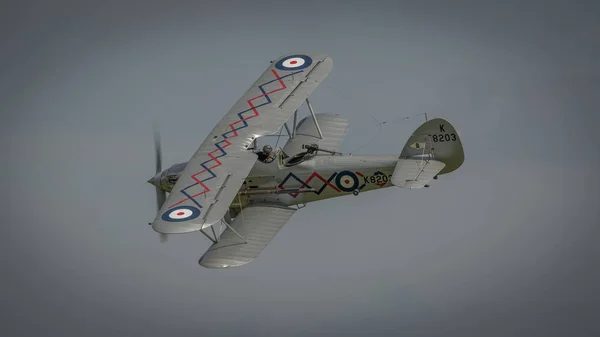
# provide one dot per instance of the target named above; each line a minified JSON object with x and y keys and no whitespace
{"x":164,"y":227}
{"x":220,"y":263}
{"x":316,"y":57}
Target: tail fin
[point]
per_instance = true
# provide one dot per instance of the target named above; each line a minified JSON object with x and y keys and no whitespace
{"x":438,"y":140}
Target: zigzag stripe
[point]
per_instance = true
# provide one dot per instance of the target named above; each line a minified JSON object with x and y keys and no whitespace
{"x":226,"y":135}
{"x":305,"y":183}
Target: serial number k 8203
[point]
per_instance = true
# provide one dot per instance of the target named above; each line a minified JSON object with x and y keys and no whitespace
{"x":379,"y":178}
{"x":444,"y":137}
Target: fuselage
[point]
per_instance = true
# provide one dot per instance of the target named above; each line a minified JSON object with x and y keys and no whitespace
{"x":321,"y":177}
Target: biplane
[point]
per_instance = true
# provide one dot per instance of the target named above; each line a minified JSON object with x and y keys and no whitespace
{"x":240,"y":195}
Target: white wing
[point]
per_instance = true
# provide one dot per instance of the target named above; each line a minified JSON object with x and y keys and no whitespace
{"x":211,"y":180}
{"x":258,"y":225}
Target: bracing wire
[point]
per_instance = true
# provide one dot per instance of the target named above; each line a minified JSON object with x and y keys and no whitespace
{"x":380,"y":124}
{"x":380,"y":127}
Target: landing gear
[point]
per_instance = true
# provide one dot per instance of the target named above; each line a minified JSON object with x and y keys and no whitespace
{"x":355,"y":192}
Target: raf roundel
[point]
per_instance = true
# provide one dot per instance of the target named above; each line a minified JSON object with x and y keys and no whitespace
{"x":181,"y":213}
{"x":294,"y":62}
{"x":346,"y":181}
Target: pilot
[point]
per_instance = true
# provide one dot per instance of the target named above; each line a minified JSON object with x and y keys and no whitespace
{"x":265,"y":154}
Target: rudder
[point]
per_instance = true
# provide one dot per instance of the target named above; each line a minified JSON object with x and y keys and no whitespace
{"x":439,"y":140}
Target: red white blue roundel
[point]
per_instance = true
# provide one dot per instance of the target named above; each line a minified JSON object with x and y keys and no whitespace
{"x":346,"y":181}
{"x":181,"y":213}
{"x":294,"y":62}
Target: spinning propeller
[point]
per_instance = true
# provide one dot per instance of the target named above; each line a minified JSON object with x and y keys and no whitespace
{"x":161,"y":196}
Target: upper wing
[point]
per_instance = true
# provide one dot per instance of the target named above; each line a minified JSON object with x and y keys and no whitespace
{"x":258,"y":225}
{"x":212,"y":177}
{"x":333,"y":128}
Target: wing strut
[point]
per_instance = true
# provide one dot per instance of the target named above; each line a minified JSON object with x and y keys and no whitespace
{"x":294,"y":126}
{"x":242,"y":214}
{"x":236,"y":232}
{"x":292,"y":134}
{"x":314,"y":118}
{"x":213,"y":231}
{"x":287,"y":130}
{"x":214,"y":240}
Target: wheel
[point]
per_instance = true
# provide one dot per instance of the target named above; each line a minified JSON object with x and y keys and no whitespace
{"x":355,"y":192}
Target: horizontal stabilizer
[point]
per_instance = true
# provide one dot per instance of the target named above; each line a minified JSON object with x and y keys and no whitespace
{"x":258,"y":225}
{"x":415,"y":173}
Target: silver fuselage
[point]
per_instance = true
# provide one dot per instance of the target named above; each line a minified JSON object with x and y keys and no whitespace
{"x":321,"y":177}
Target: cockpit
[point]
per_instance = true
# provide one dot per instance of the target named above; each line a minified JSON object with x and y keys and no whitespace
{"x":310,"y":153}
{"x":267,"y":155}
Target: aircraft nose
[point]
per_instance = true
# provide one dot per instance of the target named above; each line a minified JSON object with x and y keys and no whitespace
{"x":155,"y":180}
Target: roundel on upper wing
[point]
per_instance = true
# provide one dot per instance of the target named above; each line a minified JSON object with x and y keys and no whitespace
{"x":346,"y":181}
{"x":181,"y":213}
{"x":294,"y":62}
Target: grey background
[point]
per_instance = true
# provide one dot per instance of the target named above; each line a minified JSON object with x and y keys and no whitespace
{"x":505,"y":246}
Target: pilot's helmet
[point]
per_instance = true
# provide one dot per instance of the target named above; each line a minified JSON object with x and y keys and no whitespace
{"x":267,"y":149}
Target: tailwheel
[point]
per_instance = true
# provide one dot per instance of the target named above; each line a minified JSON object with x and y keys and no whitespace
{"x":355,"y":192}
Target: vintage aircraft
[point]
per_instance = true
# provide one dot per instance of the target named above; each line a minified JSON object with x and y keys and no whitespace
{"x":229,"y":183}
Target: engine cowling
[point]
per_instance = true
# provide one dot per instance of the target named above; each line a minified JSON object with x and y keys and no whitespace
{"x":166,"y":179}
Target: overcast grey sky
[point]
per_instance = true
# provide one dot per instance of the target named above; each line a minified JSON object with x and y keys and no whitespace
{"x":505,"y":246}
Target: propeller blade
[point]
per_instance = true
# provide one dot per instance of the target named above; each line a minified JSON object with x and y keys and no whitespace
{"x":163,"y":238}
{"x":161,"y":197}
{"x":157,"y":149}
